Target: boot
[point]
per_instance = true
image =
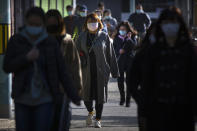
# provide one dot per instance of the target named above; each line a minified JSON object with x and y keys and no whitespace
{"x":122,"y":100}
{"x":128,"y":101}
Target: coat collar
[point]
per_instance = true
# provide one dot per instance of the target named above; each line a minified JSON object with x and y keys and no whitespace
{"x":84,"y":38}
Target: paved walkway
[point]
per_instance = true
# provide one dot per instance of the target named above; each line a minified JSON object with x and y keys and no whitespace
{"x":115,"y":118}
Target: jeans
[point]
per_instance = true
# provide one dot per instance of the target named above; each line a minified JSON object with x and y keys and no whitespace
{"x":33,"y":118}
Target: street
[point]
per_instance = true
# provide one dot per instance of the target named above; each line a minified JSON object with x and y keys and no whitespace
{"x":115,"y":118}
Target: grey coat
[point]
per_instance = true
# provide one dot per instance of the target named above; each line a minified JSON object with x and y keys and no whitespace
{"x":106,"y":64}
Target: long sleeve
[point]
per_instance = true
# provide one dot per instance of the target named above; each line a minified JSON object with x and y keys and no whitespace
{"x":147,"y":21}
{"x":71,"y":57}
{"x":129,"y":45}
{"x":134,"y":83}
{"x":14,"y":61}
{"x":65,"y":78}
{"x":112,"y":61}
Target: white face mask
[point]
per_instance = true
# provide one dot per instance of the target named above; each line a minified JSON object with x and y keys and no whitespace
{"x":92,"y":26}
{"x":100,"y":17}
{"x":170,"y":29}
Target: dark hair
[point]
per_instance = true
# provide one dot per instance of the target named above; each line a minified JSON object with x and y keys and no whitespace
{"x":101,"y":4}
{"x":36,"y":11}
{"x":172,"y":13}
{"x":146,"y":42}
{"x":57,"y":15}
{"x":93,"y":16}
{"x":99,"y":11}
{"x":107,"y":11}
{"x":128,"y":26}
{"x":69,"y":7}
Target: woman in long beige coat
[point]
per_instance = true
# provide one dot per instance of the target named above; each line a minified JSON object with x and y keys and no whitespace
{"x":98,"y":61}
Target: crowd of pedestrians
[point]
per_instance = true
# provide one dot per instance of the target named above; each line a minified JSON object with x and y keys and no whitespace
{"x":56,"y":61}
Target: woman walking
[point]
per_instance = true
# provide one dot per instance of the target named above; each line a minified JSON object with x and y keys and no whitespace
{"x":98,"y":60}
{"x":56,"y":28}
{"x":124,"y":44}
{"x":37,"y":63}
{"x":170,"y":76}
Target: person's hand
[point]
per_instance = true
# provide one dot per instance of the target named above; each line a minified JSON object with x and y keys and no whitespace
{"x":129,"y":34}
{"x":108,"y":25}
{"x":33,"y":54}
{"x":80,"y":93}
{"x":122,"y":51}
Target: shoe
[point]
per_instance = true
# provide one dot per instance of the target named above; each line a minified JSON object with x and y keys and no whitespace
{"x":89,"y":120}
{"x":127,"y":104}
{"x":122,"y":101}
{"x":98,"y":124}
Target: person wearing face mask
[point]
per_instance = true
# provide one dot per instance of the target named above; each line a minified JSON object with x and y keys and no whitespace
{"x":109,"y":21}
{"x":98,"y":60}
{"x":124,"y":43}
{"x":137,"y":76}
{"x":99,"y":13}
{"x":170,"y":76}
{"x":140,"y":21}
{"x":55,"y":27}
{"x":77,"y":8}
{"x":80,"y":21}
{"x":70,"y":20}
{"x":37,"y":63}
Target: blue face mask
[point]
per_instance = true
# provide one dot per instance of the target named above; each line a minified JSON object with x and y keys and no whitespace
{"x":32,"y":30}
{"x":139,"y":11}
{"x":107,"y":17}
{"x":122,"y":32}
{"x":82,"y":14}
{"x":70,"y":13}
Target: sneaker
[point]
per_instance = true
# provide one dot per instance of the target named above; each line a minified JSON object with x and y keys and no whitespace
{"x":89,"y":120}
{"x":98,"y":124}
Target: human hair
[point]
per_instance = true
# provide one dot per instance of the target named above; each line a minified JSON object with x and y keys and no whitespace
{"x":128,"y":27}
{"x":37,"y":11}
{"x":107,"y":11}
{"x":69,"y":7}
{"x":101,"y":4}
{"x":98,"y":11}
{"x":172,"y":13}
{"x":57,"y":15}
{"x":92,"y":16}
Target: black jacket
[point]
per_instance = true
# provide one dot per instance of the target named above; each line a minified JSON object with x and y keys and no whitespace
{"x":15,"y":61}
{"x":128,"y":45}
{"x":140,"y":21}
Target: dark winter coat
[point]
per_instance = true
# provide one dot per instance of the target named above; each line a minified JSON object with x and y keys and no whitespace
{"x":170,"y":82}
{"x":140,"y":21}
{"x":128,"y":45}
{"x":70,"y":23}
{"x":15,"y":61}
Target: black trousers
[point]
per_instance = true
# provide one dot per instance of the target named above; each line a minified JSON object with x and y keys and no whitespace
{"x":124,"y":69}
{"x":98,"y":107}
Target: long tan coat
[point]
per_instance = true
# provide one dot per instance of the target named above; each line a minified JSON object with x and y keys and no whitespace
{"x":106,"y":64}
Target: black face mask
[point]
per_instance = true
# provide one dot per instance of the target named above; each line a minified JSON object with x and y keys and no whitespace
{"x":52,"y":29}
